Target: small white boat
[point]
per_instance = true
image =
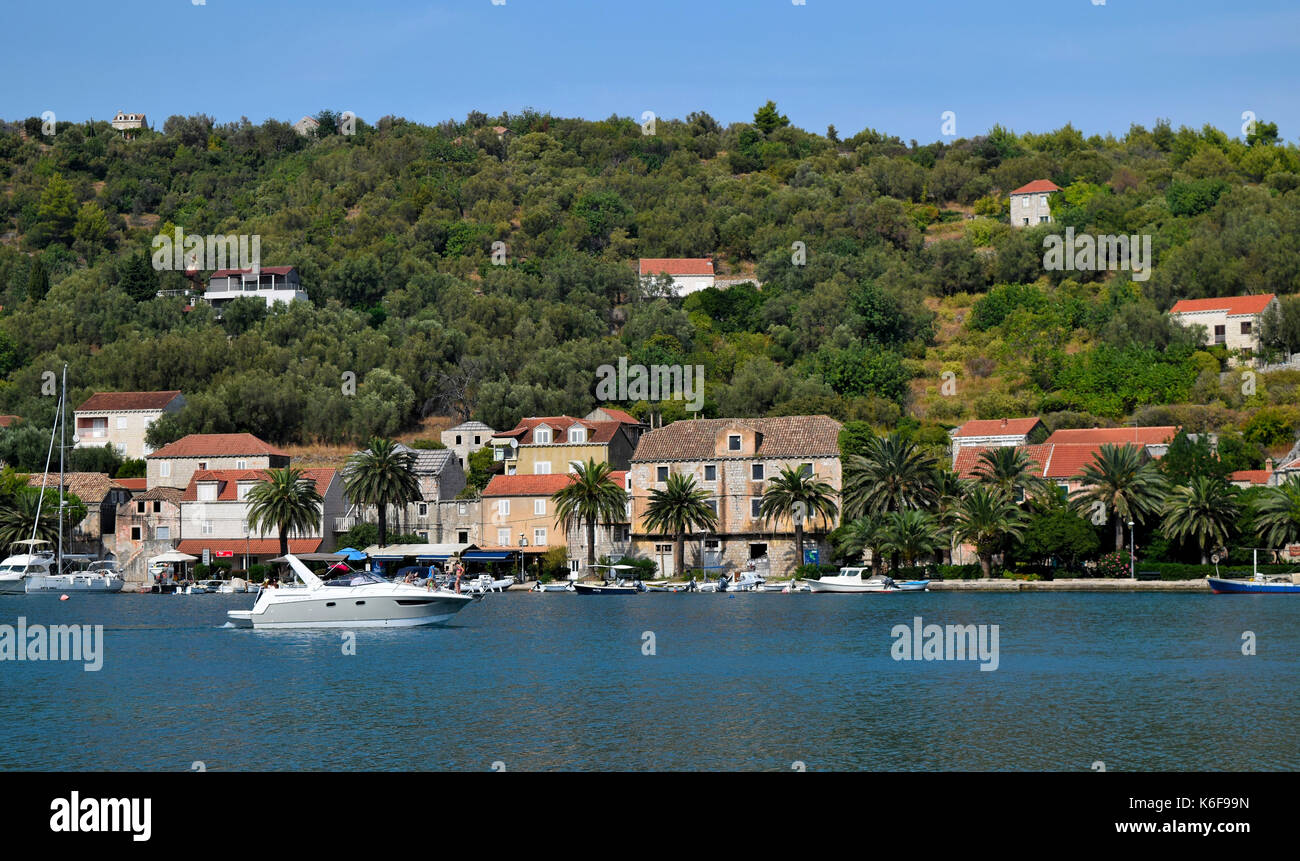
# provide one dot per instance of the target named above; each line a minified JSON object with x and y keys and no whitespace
{"x":484,"y":583}
{"x":31,"y":561}
{"x":746,"y":581}
{"x":785,"y":586}
{"x":912,"y":585}
{"x":566,"y":586}
{"x":853,"y":580}
{"x":100,"y":576}
{"x":617,"y":587}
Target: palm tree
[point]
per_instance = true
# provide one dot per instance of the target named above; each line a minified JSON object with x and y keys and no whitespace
{"x":798,"y":495}
{"x":865,"y":533}
{"x":678,"y":509}
{"x":949,"y":489}
{"x":911,"y":534}
{"x":893,"y":474}
{"x":382,"y":475}
{"x":1010,"y":469}
{"x":987,"y":518}
{"x":18,"y":516}
{"x":285,"y":501}
{"x":1124,"y":482}
{"x":1205,"y":509}
{"x":1277,"y":513}
{"x":590,"y":497}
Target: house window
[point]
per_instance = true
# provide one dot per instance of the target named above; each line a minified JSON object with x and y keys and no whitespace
{"x":207,"y":527}
{"x":462,"y":508}
{"x":1043,"y":219}
{"x":733,"y":442}
{"x":1245,"y":328}
{"x":207,"y":492}
{"x":476,"y":440}
{"x":661,"y":473}
{"x":203,"y":464}
{"x":121,"y":422}
{"x":422,"y":509}
{"x":807,"y":470}
{"x":503,"y":508}
{"x":165,"y":468}
{"x":503,"y":537}
{"x":542,"y":436}
{"x":539,"y":537}
{"x":164,"y":533}
{"x":241,"y":464}
{"x":1220,"y":334}
{"x":755,"y":503}
{"x":539,"y":506}
{"x":462,"y":537}
{"x":139,"y":506}
{"x":577,"y":434}
{"x":1025,"y":220}
{"x":241,"y":490}
{"x":710,"y":472}
{"x":542,"y":467}
{"x":1024,"y":202}
{"x":499,"y":453}
{"x":713,"y":504}
{"x":1042,"y":199}
{"x":458,"y":439}
{"x":756,"y":472}
{"x":157,"y":506}
{"x":135,"y":533}
{"x":121,"y":448}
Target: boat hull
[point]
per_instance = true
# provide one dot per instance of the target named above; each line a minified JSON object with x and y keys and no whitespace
{"x":71,"y":583}
{"x":1246,"y":587}
{"x":845,"y":588}
{"x":313,"y":610}
{"x":602,"y":589}
{"x":13,"y":585}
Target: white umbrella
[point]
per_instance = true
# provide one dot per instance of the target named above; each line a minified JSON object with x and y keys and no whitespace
{"x":174,"y":556}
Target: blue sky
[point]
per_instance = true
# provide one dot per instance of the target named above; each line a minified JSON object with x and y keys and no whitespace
{"x":1031,"y":65}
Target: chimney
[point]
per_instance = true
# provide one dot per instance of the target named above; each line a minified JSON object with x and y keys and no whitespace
{"x":1268,"y":464}
{"x":1004,"y":422}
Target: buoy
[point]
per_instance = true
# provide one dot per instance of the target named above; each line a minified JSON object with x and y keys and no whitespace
{"x":63,"y":597}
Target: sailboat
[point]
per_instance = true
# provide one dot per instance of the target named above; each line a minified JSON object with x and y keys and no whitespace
{"x":1259,"y":583}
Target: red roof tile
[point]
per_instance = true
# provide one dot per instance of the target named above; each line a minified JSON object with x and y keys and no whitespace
{"x":5,"y":421}
{"x":676,"y":266}
{"x":1096,"y":436}
{"x":89,"y":487}
{"x":273,"y":270}
{"x":1054,"y":460}
{"x":539,"y":485}
{"x":240,"y":546}
{"x":997,"y":427}
{"x":135,"y":485}
{"x":103,"y":402}
{"x":1253,"y":476}
{"x":783,"y":436}
{"x":1235,"y":305}
{"x":597,"y":432}
{"x":218,"y":445}
{"x":228,"y":481}
{"x":616,"y":415}
{"x":1036,"y":187}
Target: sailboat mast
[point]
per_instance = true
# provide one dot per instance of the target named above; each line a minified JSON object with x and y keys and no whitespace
{"x":63,"y":421}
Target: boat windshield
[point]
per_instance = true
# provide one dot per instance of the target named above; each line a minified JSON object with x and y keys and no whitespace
{"x":355,"y":578}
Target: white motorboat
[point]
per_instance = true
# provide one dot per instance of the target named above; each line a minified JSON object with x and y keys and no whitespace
{"x":617,"y":587}
{"x":101,"y":576}
{"x":746,"y":581}
{"x":912,"y":585}
{"x":31,"y":562}
{"x":566,"y":586}
{"x":485,"y":583}
{"x":853,"y":580}
{"x":785,"y":586}
{"x":350,"y":599}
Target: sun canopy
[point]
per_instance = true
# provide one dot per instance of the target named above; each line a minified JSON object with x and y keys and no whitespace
{"x":351,"y":554}
{"x":485,"y":556}
{"x":174,"y":556}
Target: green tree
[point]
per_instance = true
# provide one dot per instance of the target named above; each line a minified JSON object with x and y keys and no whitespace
{"x":866,"y":533}
{"x":676,"y":509}
{"x":1122,"y":482}
{"x":1277,"y":514}
{"x":382,"y":475}
{"x":590,"y":498}
{"x":56,"y":214}
{"x":892,"y":475}
{"x":911,"y":534}
{"x":768,"y":119}
{"x":1204,"y":510}
{"x":1011,"y":470}
{"x":987,"y":519}
{"x":286,"y":501}
{"x":799,"y":496}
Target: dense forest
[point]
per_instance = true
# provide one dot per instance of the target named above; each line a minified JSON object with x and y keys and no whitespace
{"x":910,"y":305}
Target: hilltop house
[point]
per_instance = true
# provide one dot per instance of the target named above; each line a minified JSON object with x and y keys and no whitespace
{"x":1029,"y":204}
{"x":555,"y":444}
{"x":1231,"y":321}
{"x":124,"y":121}
{"x":986,"y":433}
{"x":174,"y":464}
{"x":688,"y":274}
{"x":733,"y":459}
{"x":466,"y":438}
{"x":120,"y":419}
{"x":519,"y":515}
{"x":306,"y":126}
{"x":269,"y":283}
{"x":214,"y":515}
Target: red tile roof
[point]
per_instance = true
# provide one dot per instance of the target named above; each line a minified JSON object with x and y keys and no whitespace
{"x":255,"y":546}
{"x":616,"y":415}
{"x":104,"y":402}
{"x":218,"y":445}
{"x":676,"y":266}
{"x":135,"y":485}
{"x":273,"y":270}
{"x":539,"y":485}
{"x":1236,"y":306}
{"x":89,"y":487}
{"x":5,"y":421}
{"x":1054,"y":460}
{"x":785,"y":436}
{"x":228,"y":481}
{"x":1096,"y":436}
{"x":1036,"y":187}
{"x":997,"y":427}
{"x":1252,"y":476}
{"x":597,"y":432}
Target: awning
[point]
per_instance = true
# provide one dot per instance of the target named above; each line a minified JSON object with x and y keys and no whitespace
{"x":485,"y":556}
{"x":253,"y":547}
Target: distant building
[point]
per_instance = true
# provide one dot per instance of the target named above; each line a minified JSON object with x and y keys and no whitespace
{"x":306,"y":126}
{"x":121,"y":419}
{"x":174,"y":464}
{"x":270,"y":283}
{"x":983,"y":433}
{"x":1154,"y":439}
{"x":440,"y":477}
{"x":6,"y":421}
{"x":556,"y":444}
{"x":1029,"y":203}
{"x":688,"y":274}
{"x":1254,"y":477}
{"x":125,"y":121}
{"x":97,"y":532}
{"x":1232,"y":321}
{"x":466,"y":438}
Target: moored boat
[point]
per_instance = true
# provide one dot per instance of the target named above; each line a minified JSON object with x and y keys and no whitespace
{"x":1257,"y":584}
{"x":853,"y":580}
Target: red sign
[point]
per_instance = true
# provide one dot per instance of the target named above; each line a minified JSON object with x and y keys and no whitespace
{"x":220,"y":554}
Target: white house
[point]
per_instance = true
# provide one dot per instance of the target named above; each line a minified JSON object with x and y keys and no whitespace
{"x":1029,"y":203}
{"x":120,"y":419}
{"x":124,"y":120}
{"x":306,"y":126}
{"x":1230,"y":321}
{"x":270,"y":283}
{"x":466,"y":438}
{"x":688,"y":274}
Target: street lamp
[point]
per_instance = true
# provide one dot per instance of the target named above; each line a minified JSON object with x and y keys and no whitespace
{"x":1132,"y":562}
{"x":523,"y":542}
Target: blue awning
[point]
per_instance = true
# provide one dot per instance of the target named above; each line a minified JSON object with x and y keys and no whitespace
{"x":485,"y":556}
{"x":442,"y":558}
